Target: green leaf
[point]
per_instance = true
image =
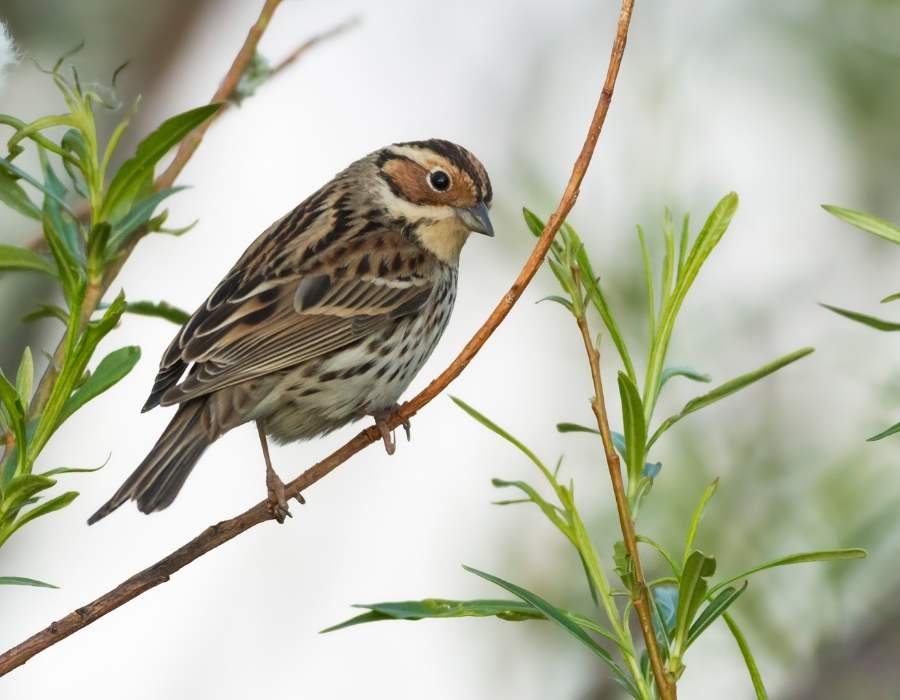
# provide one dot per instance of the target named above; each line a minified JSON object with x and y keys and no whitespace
{"x":713,"y":229}
{"x":535,"y":225}
{"x":575,"y":428}
{"x":111,"y":369}
{"x":127,"y":182}
{"x":871,"y":321}
{"x":46,"y":311}
{"x":867,"y":222}
{"x":559,"y":617}
{"x":490,"y":425}
{"x":25,"y":377}
{"x":728,"y":388}
{"x":15,"y":412}
{"x":437,"y":608}
{"x":158,"y":309}
{"x":14,"y":170}
{"x":19,"y":491}
{"x":716,"y":608}
{"x":63,"y":239}
{"x":801,"y":558}
{"x":670,"y":372}
{"x":648,"y":283}
{"x":895,"y":428}
{"x":13,"y":196}
{"x":73,"y":470}
{"x":139,"y":215}
{"x":45,"y":508}
{"x":665,"y":604}
{"x":22,"y":581}
{"x":695,"y":519}
{"x":750,"y":662}
{"x":635,"y":427}
{"x":533,"y":496}
{"x":692,"y":591}
{"x":15,"y":258}
{"x":891,"y":297}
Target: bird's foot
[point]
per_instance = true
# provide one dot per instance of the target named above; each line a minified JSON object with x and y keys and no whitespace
{"x":276,"y":500}
{"x":387,"y":435}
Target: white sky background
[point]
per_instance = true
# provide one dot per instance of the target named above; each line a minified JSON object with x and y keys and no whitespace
{"x":699,"y":110}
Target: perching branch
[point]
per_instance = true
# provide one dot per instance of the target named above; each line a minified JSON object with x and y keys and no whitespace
{"x":641,"y":592}
{"x":224,"y":531}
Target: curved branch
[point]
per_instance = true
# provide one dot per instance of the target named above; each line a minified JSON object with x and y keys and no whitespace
{"x":226,"y":530}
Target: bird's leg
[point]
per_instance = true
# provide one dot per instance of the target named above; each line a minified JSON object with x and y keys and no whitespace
{"x":277,"y":503}
{"x":387,"y":436}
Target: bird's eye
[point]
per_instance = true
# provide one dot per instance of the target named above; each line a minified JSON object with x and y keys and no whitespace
{"x":439,"y":180}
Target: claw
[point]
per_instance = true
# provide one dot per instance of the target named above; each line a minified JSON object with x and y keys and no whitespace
{"x":387,"y":437}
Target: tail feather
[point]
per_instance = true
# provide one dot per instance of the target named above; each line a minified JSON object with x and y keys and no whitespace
{"x":158,"y":479}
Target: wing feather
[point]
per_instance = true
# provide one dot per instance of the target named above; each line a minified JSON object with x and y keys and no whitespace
{"x":299,"y":292}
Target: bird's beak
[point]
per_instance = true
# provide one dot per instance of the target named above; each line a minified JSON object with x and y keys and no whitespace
{"x":476,"y":218}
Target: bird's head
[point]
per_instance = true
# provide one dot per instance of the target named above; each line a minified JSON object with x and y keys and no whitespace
{"x":439,"y":190}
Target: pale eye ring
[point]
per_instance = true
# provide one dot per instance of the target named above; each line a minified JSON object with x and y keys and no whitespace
{"x":439,"y":180}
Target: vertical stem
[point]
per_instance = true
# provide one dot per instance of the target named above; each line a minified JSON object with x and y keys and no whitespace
{"x":641,"y":593}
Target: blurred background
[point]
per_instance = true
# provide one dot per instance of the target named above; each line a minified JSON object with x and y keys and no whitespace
{"x":789,"y":104}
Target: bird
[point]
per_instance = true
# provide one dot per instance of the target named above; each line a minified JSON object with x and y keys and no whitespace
{"x":325,"y":319}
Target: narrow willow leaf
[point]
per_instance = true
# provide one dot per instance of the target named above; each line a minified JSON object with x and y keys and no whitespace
{"x":158,"y":309}
{"x":126,"y":184}
{"x":635,"y":427}
{"x":867,"y":222}
{"x":559,"y":300}
{"x":16,"y":258}
{"x":46,"y":311}
{"x":891,"y":297}
{"x":688,"y":372}
{"x":713,"y":229}
{"x":895,"y":428}
{"x":684,"y":239}
{"x":716,"y":608}
{"x":801,"y":558}
{"x":575,"y":428}
{"x":665,"y":602}
{"x":871,"y":321}
{"x":137,"y":216}
{"x":728,"y":388}
{"x":14,"y":170}
{"x":19,"y":492}
{"x":559,"y":616}
{"x":45,"y":508}
{"x":535,"y":225}
{"x":490,"y":425}
{"x":437,"y":608}
{"x":15,"y":413}
{"x":670,"y":560}
{"x":692,"y":591}
{"x":648,"y":283}
{"x":13,"y":196}
{"x":73,"y":470}
{"x":549,"y":510}
{"x":63,"y":240}
{"x":695,"y":519}
{"x":750,"y":662}
{"x":111,"y":369}
{"x":25,"y":377}
{"x":22,"y":581}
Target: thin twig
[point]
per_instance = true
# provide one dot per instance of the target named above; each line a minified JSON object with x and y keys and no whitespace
{"x":83,"y":208}
{"x":224,"y":531}
{"x":641,"y":595}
